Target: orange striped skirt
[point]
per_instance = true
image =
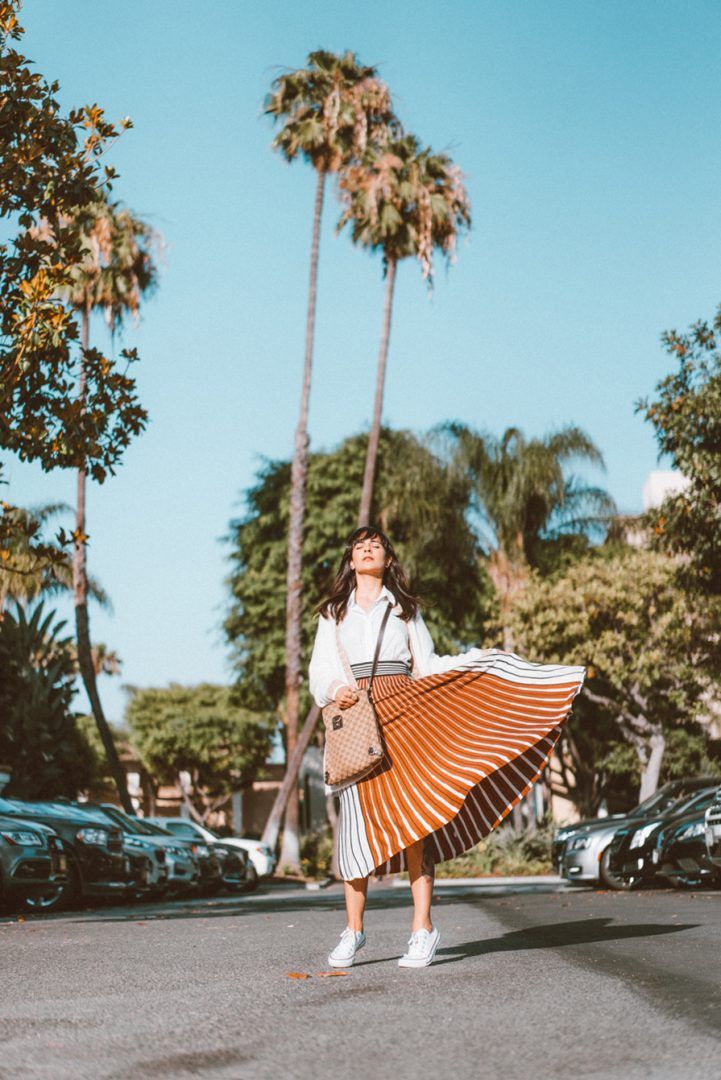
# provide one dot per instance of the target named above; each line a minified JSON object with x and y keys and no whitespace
{"x":463,"y":748}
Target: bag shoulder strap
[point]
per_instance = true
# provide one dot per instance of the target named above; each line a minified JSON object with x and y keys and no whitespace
{"x":344,"y":656}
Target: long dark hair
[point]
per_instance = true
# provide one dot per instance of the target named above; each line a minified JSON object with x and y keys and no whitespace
{"x":394,"y":578}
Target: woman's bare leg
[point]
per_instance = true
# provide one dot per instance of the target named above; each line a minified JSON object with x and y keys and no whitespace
{"x":421,"y":873}
{"x":355,"y":901}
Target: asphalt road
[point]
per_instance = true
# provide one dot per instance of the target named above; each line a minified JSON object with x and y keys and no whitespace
{"x":527,"y":984}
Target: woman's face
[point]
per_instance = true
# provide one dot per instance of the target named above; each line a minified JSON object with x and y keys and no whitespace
{"x":369,"y":557}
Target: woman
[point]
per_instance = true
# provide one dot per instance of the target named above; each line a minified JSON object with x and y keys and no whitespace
{"x":466,"y":736}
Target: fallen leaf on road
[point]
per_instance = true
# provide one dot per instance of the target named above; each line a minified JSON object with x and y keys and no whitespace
{"x":21,"y":918}
{"x":297,"y":975}
{"x":329,"y":974}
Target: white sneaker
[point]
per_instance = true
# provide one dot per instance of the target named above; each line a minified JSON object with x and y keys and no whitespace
{"x":422,"y":946}
{"x":344,"y":954}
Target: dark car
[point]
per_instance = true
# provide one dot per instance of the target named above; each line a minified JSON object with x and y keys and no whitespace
{"x":633,"y":853}
{"x":97,"y":865}
{"x":581,"y":851}
{"x":237,"y":872}
{"x":32,"y":863}
{"x":683,"y":858}
{"x":234,"y":866}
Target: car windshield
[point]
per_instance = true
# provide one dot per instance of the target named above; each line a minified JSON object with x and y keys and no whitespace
{"x":666,"y":797}
{"x":131,"y":824}
{"x":47,"y":809}
{"x":699,"y":801}
{"x":186,"y":828}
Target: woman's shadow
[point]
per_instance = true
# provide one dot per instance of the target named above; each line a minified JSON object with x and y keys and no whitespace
{"x":550,"y":936}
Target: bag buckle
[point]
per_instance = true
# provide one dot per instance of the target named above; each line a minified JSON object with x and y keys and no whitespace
{"x":337,"y":723}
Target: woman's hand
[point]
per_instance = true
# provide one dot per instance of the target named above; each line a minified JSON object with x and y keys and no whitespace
{"x":346,"y":697}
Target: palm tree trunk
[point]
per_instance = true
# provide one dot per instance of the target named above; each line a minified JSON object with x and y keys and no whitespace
{"x":82,"y":621}
{"x":290,"y":853}
{"x":294,"y":761}
{"x":373,"y":439}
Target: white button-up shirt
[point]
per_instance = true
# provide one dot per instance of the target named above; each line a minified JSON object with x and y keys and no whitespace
{"x":359,"y":633}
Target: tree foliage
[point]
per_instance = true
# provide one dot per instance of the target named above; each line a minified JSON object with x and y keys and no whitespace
{"x":49,"y":167}
{"x":202,"y":731}
{"x":330,"y":110}
{"x":686,"y":416}
{"x":39,"y":737}
{"x":406,"y":201}
{"x":417,"y":502}
{"x":527,"y":508}
{"x":649,"y":648}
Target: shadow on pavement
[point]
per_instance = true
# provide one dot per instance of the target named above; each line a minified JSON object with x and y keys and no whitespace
{"x":557,"y":935}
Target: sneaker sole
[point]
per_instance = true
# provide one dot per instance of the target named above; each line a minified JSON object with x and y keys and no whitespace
{"x":407,"y":961}
{"x":345,"y":963}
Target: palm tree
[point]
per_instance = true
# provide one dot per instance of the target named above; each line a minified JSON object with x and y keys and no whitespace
{"x":406,"y":202}
{"x":329,"y":111}
{"x":522,"y":496}
{"x":24,"y":576}
{"x":115,"y":271}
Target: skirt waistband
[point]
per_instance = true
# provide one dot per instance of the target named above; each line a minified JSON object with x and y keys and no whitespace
{"x":383,"y":667}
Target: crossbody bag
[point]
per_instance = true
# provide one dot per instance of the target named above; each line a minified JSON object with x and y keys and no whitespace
{"x":353,"y":739}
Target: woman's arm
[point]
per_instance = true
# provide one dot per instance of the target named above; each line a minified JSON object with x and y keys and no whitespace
{"x":426,"y":660}
{"x":325,"y":672}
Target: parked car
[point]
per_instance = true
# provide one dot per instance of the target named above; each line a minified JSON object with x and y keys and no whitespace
{"x":97,"y":865}
{"x":182,"y":870}
{"x":33,"y":864}
{"x":147,"y":855}
{"x":633,"y":854}
{"x":713,"y":831}
{"x":260,"y":854}
{"x":237,"y":869}
{"x":581,"y":851}
{"x":682,"y":856}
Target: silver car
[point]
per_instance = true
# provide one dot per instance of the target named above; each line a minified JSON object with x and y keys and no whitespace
{"x":180,"y":869}
{"x":582,"y":850}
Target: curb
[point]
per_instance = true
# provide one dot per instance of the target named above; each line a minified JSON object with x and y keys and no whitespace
{"x":316,"y":886}
{"x":489,"y":882}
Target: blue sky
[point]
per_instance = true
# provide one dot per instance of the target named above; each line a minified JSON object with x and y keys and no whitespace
{"x":587,"y":134}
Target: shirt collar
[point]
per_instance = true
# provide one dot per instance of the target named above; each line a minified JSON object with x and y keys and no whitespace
{"x":385,"y":594}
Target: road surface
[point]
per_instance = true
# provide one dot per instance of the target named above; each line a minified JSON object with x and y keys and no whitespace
{"x":541,"y":982}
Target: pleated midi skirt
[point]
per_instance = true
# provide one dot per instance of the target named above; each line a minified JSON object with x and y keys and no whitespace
{"x":462,"y":749}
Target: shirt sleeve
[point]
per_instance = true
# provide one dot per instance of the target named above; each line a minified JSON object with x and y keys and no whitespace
{"x":325,"y":672}
{"x":426,"y":660}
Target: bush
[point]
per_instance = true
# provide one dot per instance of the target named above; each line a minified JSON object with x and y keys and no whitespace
{"x":505,"y":853}
{"x":316,"y":853}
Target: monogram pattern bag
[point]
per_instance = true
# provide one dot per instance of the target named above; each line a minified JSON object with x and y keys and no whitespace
{"x":353,"y":739}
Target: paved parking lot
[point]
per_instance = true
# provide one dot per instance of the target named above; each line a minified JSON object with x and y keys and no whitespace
{"x":535,"y":982}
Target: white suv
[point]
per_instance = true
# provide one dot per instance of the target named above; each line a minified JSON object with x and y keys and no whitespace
{"x":260,"y":855}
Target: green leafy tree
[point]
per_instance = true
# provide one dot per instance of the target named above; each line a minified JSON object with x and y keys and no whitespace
{"x":113,"y":272}
{"x":198,"y":737}
{"x":403,"y":201}
{"x":59,"y":405}
{"x":39,"y":737}
{"x":417,"y":500}
{"x":524,"y":498}
{"x":328,"y":112}
{"x":650,"y":650}
{"x":686,"y":416}
{"x":49,"y":168}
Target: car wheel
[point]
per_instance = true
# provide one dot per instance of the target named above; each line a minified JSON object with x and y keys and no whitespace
{"x":55,"y":899}
{"x":251,"y":880}
{"x":611,"y":880}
